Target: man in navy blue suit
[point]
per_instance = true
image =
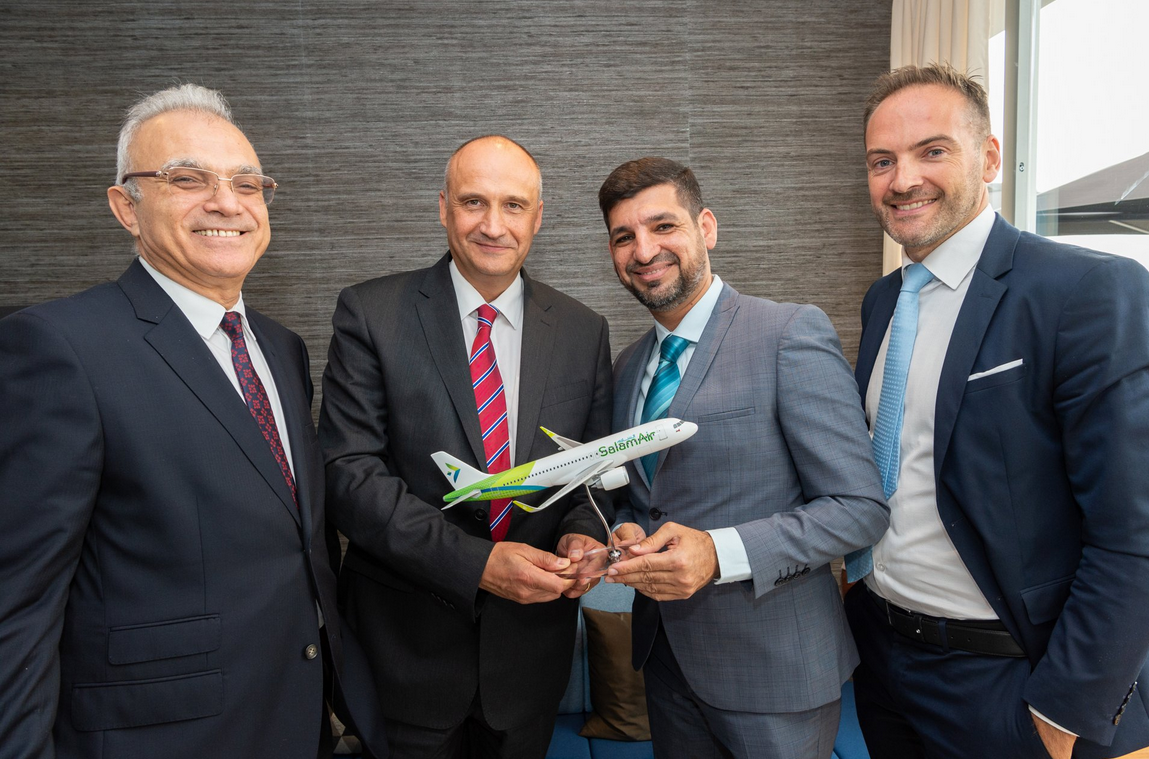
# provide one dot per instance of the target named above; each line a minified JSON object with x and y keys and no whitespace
{"x":1007,"y":610}
{"x":165,"y":584}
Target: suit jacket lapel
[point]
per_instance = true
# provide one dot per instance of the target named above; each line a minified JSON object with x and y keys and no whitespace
{"x":985,"y":292}
{"x":706,"y":349}
{"x":981,"y":301}
{"x":182,"y":348}
{"x":289,"y":388}
{"x":704,"y":353}
{"x":627,"y":391}
{"x":439,"y":314}
{"x":874,"y":330}
{"x":534,"y":366}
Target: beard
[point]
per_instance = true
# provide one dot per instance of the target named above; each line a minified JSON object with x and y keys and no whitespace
{"x":666,"y":296}
{"x":953,"y":212}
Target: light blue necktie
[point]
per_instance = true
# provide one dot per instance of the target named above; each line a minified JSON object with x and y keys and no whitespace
{"x":662,"y":389}
{"x":892,"y":402}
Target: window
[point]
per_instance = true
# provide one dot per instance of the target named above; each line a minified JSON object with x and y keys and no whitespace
{"x":1090,"y":155}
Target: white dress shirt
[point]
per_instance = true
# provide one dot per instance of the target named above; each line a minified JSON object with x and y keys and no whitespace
{"x":733,"y":563}
{"x":205,"y":316}
{"x":915,"y":563}
{"x":506,"y":337}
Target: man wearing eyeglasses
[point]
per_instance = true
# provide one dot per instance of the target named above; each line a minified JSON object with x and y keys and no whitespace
{"x":167,"y":588}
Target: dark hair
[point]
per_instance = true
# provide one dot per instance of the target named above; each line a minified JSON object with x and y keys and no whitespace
{"x":941,"y":74}
{"x":633,"y":177}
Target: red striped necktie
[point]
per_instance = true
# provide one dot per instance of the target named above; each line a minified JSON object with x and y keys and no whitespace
{"x":491,"y":401}
{"x":255,"y":396}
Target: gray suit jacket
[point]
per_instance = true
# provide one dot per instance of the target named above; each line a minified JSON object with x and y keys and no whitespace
{"x":397,"y":388}
{"x":782,"y":453}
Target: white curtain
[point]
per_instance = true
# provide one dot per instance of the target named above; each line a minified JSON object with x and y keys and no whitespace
{"x":937,"y":31}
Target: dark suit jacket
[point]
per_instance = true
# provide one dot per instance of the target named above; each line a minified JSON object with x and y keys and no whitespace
{"x":397,"y":388}
{"x":1043,"y":469}
{"x":782,"y":455}
{"x":159,"y":584}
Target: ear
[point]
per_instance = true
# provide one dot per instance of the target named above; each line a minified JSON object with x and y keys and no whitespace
{"x":992,"y":165}
{"x":443,"y":208}
{"x":539,"y":217}
{"x":124,"y":209}
{"x":709,"y":226}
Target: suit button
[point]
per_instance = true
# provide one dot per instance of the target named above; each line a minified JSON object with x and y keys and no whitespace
{"x":480,"y":515}
{"x":655,"y":513}
{"x":311,"y":652}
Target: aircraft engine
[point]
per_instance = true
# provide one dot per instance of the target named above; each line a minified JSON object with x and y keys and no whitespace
{"x":612,"y":478}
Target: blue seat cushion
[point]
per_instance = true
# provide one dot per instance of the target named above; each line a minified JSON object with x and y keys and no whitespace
{"x":604,"y":749}
{"x":850,"y":744}
{"x":566,"y":743}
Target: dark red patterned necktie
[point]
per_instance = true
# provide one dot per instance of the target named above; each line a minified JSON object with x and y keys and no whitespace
{"x":255,"y":395}
{"x":491,"y":401}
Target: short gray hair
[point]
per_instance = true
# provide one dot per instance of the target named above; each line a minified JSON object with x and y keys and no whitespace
{"x":183,"y":97}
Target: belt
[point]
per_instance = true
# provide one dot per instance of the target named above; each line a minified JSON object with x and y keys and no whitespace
{"x":989,"y":637}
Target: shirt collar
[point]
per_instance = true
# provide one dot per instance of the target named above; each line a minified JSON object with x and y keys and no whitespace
{"x":693,"y":324}
{"x":509,"y":304}
{"x":953,"y":260}
{"x":203,"y":312}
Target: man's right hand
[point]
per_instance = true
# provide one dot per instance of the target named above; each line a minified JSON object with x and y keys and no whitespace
{"x":629,"y":532}
{"x":524,"y":574}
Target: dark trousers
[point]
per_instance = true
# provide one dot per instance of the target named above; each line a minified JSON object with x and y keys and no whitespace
{"x":471,"y":739}
{"x":918,"y":701}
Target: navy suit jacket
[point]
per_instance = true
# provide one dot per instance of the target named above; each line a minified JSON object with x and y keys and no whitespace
{"x":159,"y":583}
{"x":1042,"y":470}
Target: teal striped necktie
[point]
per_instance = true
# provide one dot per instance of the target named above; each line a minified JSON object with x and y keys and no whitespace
{"x":662,"y":389}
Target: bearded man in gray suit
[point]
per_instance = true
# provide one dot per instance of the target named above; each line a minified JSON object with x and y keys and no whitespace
{"x":738,"y":623}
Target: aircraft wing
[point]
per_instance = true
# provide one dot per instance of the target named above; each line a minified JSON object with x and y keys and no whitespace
{"x":467,"y":497}
{"x":563,"y":442}
{"x":585,"y":475}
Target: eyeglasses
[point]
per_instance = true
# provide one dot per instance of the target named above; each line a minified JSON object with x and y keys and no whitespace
{"x":202,"y":184}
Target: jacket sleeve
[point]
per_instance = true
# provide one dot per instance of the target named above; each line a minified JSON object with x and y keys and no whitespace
{"x":51,"y":454}
{"x":1101,"y":400}
{"x":822,"y":421}
{"x":366,"y":500}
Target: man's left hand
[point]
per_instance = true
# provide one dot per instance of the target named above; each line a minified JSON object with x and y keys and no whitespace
{"x":688,"y":562}
{"x":574,"y":546}
{"x":1059,"y":744}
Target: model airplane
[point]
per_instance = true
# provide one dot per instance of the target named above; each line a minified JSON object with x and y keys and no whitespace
{"x":598,"y":464}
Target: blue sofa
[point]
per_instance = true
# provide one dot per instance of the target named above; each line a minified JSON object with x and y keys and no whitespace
{"x":566,"y":743}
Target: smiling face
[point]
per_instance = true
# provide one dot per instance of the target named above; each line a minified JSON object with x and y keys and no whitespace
{"x":928,"y":164}
{"x":208,"y":245}
{"x":660,"y":251}
{"x":491,"y":209}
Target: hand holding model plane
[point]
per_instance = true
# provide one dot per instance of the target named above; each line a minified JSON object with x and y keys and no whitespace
{"x":671,"y":564}
{"x":524,"y":574}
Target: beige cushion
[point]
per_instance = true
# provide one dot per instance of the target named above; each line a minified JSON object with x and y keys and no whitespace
{"x":617,"y":692}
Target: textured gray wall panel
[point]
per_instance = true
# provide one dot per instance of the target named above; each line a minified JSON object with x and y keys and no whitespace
{"x":355,"y":106}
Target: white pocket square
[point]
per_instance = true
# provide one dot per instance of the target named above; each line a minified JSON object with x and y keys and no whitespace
{"x":997,"y":369}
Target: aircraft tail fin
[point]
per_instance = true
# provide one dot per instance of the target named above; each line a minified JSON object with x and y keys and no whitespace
{"x":459,"y":473}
